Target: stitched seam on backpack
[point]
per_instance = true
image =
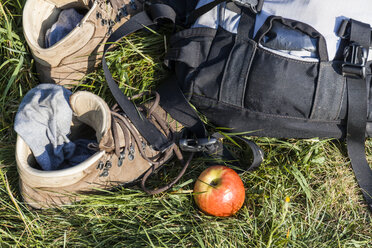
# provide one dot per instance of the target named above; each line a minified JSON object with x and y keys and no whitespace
{"x":267,"y":114}
{"x":285,"y":58}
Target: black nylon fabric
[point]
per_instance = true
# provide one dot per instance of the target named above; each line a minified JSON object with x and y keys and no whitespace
{"x":206,"y":81}
{"x":280,"y":86}
{"x":330,"y":93}
{"x":272,"y":95}
{"x":266,"y":125}
{"x":184,"y":42}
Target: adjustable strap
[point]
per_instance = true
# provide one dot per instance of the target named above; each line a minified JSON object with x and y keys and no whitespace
{"x":257,"y":153}
{"x":174,"y":102}
{"x":223,"y":154}
{"x":354,"y":70}
{"x":144,"y":126}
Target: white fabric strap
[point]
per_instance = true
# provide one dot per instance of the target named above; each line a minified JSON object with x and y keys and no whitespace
{"x":218,"y":16}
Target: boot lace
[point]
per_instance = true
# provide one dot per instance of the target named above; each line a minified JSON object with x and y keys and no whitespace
{"x":133,"y":138}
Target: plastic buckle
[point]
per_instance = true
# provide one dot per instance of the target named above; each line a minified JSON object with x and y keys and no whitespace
{"x":355,"y":58}
{"x":254,"y":5}
{"x":344,"y":30}
{"x":198,"y":145}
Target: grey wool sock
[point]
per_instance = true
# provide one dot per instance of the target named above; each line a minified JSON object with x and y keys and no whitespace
{"x":67,"y":21}
{"x":43,"y":121}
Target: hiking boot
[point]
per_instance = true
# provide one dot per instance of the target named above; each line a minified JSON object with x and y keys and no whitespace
{"x":122,"y":155}
{"x":76,"y":54}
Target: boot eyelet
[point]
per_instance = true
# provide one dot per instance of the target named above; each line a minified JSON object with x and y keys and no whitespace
{"x":100,"y":165}
{"x":122,"y":155}
{"x":103,"y":22}
{"x":121,"y":159}
{"x":131,"y":152}
{"x":131,"y":149}
{"x":120,"y":162}
{"x":105,"y":173}
{"x":108,"y":164}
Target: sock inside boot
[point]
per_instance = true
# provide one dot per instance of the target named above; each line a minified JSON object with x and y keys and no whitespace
{"x":67,"y":20}
{"x":44,"y":120}
{"x":81,"y":136}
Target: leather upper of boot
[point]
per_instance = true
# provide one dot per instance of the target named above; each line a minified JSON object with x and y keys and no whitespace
{"x":77,"y":53}
{"x":122,"y":155}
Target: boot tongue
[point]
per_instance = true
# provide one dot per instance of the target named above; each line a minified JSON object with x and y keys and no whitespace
{"x":93,"y":111}
{"x":121,"y":137}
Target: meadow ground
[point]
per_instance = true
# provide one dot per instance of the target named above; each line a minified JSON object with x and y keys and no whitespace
{"x":326,"y":208}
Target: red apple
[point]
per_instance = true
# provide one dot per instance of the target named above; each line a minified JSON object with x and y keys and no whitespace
{"x":219,"y":191}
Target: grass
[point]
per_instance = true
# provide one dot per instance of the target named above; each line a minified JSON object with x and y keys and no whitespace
{"x":304,"y":195}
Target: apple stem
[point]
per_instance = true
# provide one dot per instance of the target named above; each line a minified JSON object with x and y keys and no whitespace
{"x":213,"y":184}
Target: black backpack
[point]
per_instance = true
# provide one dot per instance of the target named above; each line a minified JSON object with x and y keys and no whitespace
{"x":241,"y":80}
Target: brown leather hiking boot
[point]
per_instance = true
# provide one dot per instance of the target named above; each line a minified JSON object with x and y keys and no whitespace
{"x":122,"y":155}
{"x":70,"y":59}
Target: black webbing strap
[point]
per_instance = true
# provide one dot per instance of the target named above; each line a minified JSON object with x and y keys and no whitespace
{"x":257,"y":153}
{"x":354,"y":70}
{"x":225,"y":155}
{"x":143,"y":125}
{"x":246,"y":24}
{"x":202,"y":10}
{"x":173,"y":101}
